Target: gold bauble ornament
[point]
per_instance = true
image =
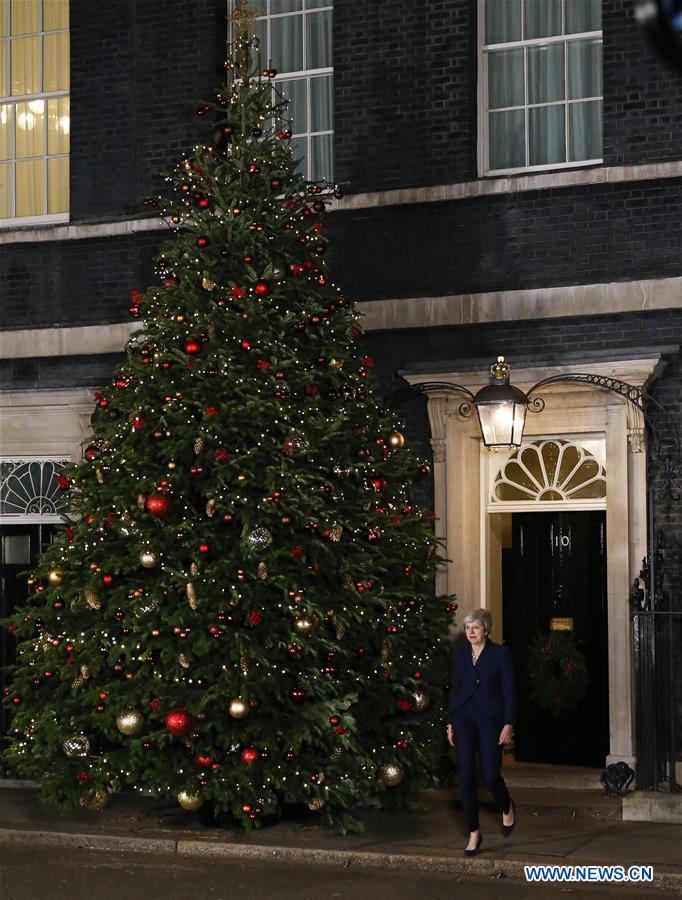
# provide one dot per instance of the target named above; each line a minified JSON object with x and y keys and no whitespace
{"x":76,"y":746}
{"x":396,"y":439}
{"x":171,"y":464}
{"x":129,"y":721}
{"x":420,"y":701}
{"x":306,"y":626}
{"x":55,"y":576}
{"x":190,"y":802}
{"x":335,"y":531}
{"x":238,"y":709}
{"x":391,"y":774}
{"x":316,"y":804}
{"x":148,"y":559}
{"x":96,"y":798}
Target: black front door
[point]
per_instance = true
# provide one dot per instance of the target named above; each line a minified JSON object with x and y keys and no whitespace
{"x":20,"y":548}
{"x":557,"y":570}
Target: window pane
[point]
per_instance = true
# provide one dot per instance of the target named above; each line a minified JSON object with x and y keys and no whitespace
{"x":314,"y":4}
{"x":505,"y":78}
{"x":542,"y":18}
{"x":6,"y":126}
{"x":58,"y":125}
{"x":546,"y":139}
{"x":30,"y":128}
{"x":299,"y":148}
{"x":55,"y":14}
{"x":507,"y":140}
{"x":546,"y":73}
{"x":26,"y":16}
{"x":321,"y":158}
{"x":30,"y":187}
{"x":502,"y":21}
{"x":56,"y":61}
{"x":58,"y":184}
{"x":319,"y":40}
{"x":585,"y":130}
{"x":16,"y":549}
{"x":5,"y":190}
{"x":4,"y":17}
{"x":26,"y":65}
{"x":584,"y":69}
{"x":286,"y":50}
{"x":261,"y":32}
{"x":583,"y":15}
{"x":282,"y":6}
{"x":321,"y":103}
{"x":4,"y":55}
{"x":296,"y":92}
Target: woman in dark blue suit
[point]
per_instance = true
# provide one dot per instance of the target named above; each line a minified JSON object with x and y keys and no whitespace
{"x":481,"y":719}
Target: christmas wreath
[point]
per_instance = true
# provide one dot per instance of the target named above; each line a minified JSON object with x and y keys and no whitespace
{"x":557,"y":671}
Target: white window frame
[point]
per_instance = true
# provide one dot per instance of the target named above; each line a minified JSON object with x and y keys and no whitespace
{"x":13,"y":100}
{"x":304,"y":73}
{"x":483,"y":111}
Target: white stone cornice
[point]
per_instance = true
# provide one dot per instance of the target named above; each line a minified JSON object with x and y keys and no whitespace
{"x":83,"y":340}
{"x":536,"y":303}
{"x":513,"y":184}
{"x":437,"y":193}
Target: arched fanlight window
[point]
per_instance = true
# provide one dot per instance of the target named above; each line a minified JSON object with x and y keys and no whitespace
{"x":29,"y":489}
{"x":550,"y":471}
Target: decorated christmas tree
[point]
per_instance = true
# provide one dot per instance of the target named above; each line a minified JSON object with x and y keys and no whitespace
{"x":240,"y":611}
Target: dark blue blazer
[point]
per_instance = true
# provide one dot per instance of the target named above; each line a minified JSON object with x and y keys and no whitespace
{"x":490,"y":682}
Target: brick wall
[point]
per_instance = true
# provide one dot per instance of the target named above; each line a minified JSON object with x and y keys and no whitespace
{"x":404,"y":92}
{"x":138,"y":71}
{"x":579,"y":235}
{"x":642,"y":109}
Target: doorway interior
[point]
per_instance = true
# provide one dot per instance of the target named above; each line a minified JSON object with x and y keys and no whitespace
{"x":20,"y":547}
{"x":554,"y":568}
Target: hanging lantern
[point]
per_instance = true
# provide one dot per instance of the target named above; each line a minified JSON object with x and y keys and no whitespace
{"x":501,"y":409}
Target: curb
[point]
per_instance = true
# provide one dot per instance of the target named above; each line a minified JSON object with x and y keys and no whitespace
{"x":492,"y":868}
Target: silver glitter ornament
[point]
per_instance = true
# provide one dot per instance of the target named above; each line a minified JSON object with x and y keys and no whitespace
{"x":75,"y":746}
{"x":259,"y":539}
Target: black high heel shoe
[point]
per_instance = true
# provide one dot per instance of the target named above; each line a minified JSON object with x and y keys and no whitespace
{"x":474,"y":852}
{"x":507,"y":829}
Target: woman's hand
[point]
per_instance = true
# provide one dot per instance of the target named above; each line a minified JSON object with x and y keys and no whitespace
{"x":506,"y":734}
{"x":451,"y":735}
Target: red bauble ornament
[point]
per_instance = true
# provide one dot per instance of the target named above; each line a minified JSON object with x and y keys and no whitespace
{"x":91,"y":453}
{"x":245,"y":345}
{"x":203,"y":761}
{"x":297,"y":694}
{"x":154,"y":704}
{"x":284,"y":134}
{"x":192,"y":346}
{"x":261,"y":288}
{"x":158,"y":505}
{"x":249,"y":755}
{"x":178,"y":721}
{"x":202,"y":241}
{"x":107,"y":579}
{"x":139,"y":422}
{"x":204,"y":548}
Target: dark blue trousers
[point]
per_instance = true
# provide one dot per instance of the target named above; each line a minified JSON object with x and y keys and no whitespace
{"x":477,"y":732}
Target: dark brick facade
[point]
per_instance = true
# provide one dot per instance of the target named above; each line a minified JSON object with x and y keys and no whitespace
{"x":404,"y":93}
{"x":81,"y":282}
{"x":138,"y":71}
{"x":578,"y":235}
